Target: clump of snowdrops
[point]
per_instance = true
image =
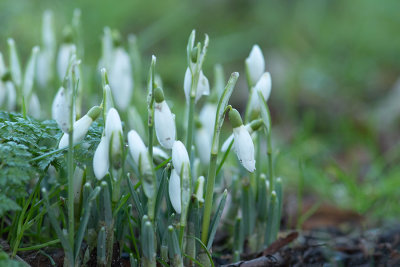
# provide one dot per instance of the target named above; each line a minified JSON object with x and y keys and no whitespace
{"x":156,"y":193}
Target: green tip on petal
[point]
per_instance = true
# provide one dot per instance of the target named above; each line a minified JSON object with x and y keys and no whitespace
{"x":235,"y":118}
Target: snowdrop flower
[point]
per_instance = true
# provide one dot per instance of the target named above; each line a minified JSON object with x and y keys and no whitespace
{"x":81,"y":127}
{"x":203,"y":86}
{"x":255,"y":64}
{"x":61,"y":109}
{"x":203,"y":143}
{"x":66,"y":50}
{"x":250,"y":127}
{"x":207,"y":117}
{"x":101,"y":161}
{"x":139,"y":152}
{"x":164,"y":120}
{"x":180,"y":157}
{"x":113,"y":130}
{"x":120,"y":78}
{"x":174,"y":191}
{"x":264,"y":86}
{"x":243,"y":144}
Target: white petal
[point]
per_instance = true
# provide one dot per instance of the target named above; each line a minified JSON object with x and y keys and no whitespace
{"x":203,"y":145}
{"x":61,"y":109}
{"x":207,"y":117}
{"x":174,"y":190}
{"x":180,"y":156}
{"x":139,"y":152}
{"x":113,"y":129}
{"x":264,"y":86}
{"x":200,"y":189}
{"x":203,"y":86}
{"x":244,"y":148}
{"x":164,"y":124}
{"x":228,"y":141}
{"x":226,"y":144}
{"x":187,"y":83}
{"x":81,"y":127}
{"x":100,"y":159}
{"x":255,"y":64}
{"x":64,"y":54}
{"x":120,"y":77}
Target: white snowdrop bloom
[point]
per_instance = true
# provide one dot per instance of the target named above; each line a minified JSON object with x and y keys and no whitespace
{"x":101,"y":161}
{"x":81,"y":127}
{"x":228,"y":141}
{"x":120,"y":78}
{"x":203,"y":144}
{"x":139,"y":152}
{"x":113,"y":129}
{"x":264,"y":86}
{"x":255,"y":64}
{"x":11,"y":95}
{"x":180,"y":156}
{"x":242,"y":142}
{"x":78,"y":177}
{"x":174,"y":190}
{"x":244,"y":148}
{"x":34,"y":106}
{"x":30,"y":73}
{"x":61,"y":109}
{"x":164,"y":124}
{"x":203,"y":86}
{"x":207,"y":117}
{"x":200,"y":189}
{"x":64,"y":54}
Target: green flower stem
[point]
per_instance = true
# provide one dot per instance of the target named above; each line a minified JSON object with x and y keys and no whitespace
{"x":212,"y":171}
{"x":209,"y":197}
{"x":270,"y":164}
{"x":39,"y":246}
{"x":70,"y":168}
{"x":189,"y":137}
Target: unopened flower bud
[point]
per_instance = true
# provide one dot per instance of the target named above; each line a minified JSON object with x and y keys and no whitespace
{"x":81,"y":127}
{"x":255,"y":64}
{"x":139,"y":152}
{"x":203,"y":86}
{"x":174,"y":190}
{"x":61,"y":109}
{"x":180,"y":157}
{"x":113,"y":130}
{"x":164,"y":123}
{"x":101,"y":161}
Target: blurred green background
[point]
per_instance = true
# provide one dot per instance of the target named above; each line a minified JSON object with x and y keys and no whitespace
{"x":334,"y":65}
